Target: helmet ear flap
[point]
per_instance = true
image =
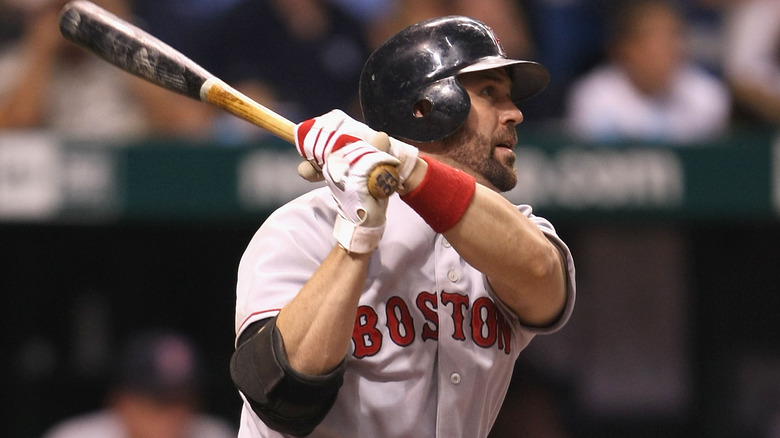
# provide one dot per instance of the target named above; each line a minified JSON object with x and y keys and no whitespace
{"x":439,"y":110}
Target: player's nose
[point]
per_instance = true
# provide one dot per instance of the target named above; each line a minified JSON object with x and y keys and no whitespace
{"x":511,"y":115}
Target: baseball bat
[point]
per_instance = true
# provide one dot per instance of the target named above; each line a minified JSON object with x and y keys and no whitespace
{"x":139,"y":53}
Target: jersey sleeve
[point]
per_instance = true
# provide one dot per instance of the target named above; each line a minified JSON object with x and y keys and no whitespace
{"x":281,"y":256}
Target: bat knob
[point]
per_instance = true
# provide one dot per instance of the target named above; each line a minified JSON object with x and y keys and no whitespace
{"x":308,"y":172}
{"x":383,"y":181}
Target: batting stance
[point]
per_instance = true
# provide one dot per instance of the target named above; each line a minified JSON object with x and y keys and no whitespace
{"x":403,"y":317}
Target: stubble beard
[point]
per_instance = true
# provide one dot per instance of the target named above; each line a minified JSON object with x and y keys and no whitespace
{"x":476,"y":152}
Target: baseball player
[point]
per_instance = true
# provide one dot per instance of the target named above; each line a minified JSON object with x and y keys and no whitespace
{"x":403,"y":317}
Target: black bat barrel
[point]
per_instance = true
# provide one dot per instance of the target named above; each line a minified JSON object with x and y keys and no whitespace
{"x":130,"y":48}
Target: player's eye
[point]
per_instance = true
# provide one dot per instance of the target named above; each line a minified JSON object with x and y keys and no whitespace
{"x":489,"y":91}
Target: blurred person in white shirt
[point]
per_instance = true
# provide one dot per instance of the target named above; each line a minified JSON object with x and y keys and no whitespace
{"x":751,"y":57}
{"x":648,"y":89}
{"x":50,"y":84}
{"x":156,"y":392}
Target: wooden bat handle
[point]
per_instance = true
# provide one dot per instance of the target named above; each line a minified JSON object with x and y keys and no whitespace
{"x":135,"y":51}
{"x":382,"y":181}
{"x":221,"y":95}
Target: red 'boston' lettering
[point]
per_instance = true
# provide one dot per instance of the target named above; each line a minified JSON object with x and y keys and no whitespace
{"x":399,"y":321}
{"x":459,"y":302}
{"x":367,"y":338}
{"x":483,"y":322}
{"x":488,"y":325}
{"x":427,"y":304}
{"x":504,"y":333}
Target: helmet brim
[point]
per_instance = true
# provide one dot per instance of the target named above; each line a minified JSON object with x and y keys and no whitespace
{"x":528,"y":78}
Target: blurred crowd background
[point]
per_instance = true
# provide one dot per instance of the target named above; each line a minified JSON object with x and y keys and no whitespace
{"x":684,"y":70}
{"x":675,"y":332}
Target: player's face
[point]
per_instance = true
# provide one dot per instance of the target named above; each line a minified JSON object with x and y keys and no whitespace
{"x":483,"y":145}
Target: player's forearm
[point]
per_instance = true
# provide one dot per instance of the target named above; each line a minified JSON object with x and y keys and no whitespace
{"x":523,"y":266}
{"x":317,"y":324}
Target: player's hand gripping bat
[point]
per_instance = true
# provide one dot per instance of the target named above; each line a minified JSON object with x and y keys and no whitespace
{"x":135,"y":51}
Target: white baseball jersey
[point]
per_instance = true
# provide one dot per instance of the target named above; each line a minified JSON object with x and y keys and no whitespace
{"x":433,"y":349}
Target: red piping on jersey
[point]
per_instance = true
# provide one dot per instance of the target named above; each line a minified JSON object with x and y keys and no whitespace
{"x":251,"y":315}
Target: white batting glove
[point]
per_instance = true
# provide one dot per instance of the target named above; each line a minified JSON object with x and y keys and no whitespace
{"x":361,"y":219}
{"x":316,"y":138}
{"x":407,"y":155}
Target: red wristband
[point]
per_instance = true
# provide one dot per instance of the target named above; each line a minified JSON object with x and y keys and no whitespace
{"x":443,"y":195}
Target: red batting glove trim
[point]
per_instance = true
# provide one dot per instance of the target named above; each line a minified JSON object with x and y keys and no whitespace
{"x":342,"y":141}
{"x":443,"y":196}
{"x":302,"y":131}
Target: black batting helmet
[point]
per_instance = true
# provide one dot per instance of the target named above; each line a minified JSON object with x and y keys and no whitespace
{"x":420,"y":64}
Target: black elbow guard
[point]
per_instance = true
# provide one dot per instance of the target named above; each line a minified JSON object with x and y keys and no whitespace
{"x":286,"y":401}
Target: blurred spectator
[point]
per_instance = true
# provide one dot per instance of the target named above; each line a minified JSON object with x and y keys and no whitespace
{"x":176,"y":22}
{"x":300,"y":58}
{"x":10,"y":21}
{"x":155,"y":393}
{"x":506,"y":17}
{"x":752,"y":57}
{"x":569,"y":40}
{"x":648,"y":89}
{"x":51,"y":84}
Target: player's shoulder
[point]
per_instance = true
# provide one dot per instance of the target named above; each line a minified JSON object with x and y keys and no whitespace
{"x":316,"y":204}
{"x":313,"y":198}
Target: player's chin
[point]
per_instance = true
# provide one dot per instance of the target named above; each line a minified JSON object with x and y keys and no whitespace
{"x":502,"y":177}
{"x":509,"y":182}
